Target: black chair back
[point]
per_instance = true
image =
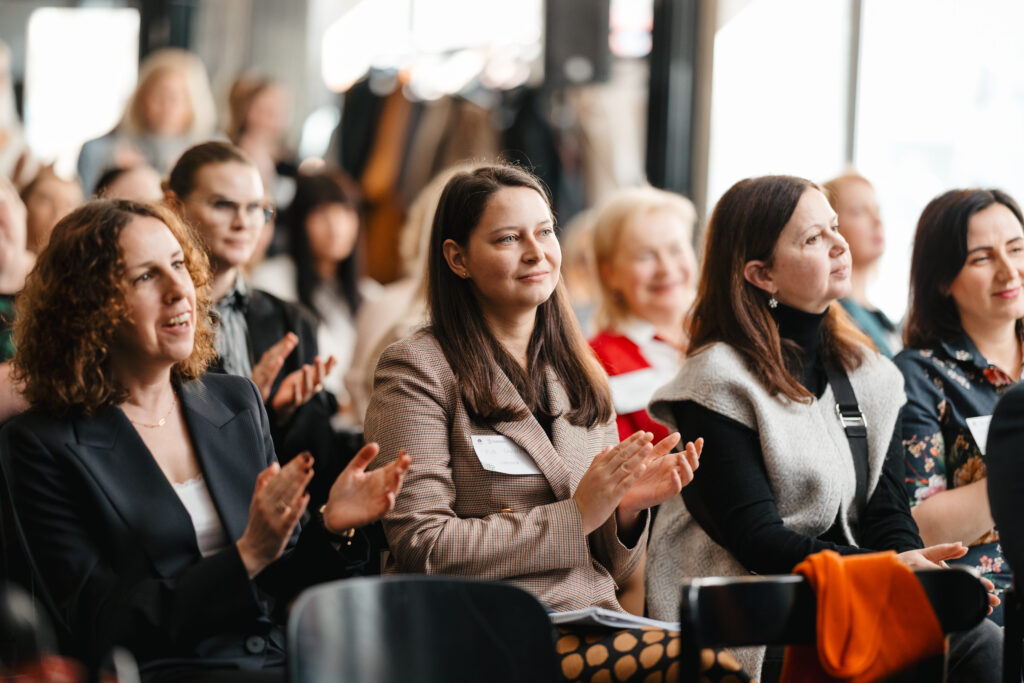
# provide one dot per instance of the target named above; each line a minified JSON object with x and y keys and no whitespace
{"x":782,"y":610}
{"x":419,"y":628}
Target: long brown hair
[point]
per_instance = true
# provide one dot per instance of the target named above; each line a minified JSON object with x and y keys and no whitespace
{"x":940,"y":251}
{"x":72,"y":307}
{"x":745,"y":226}
{"x":457,"y":321}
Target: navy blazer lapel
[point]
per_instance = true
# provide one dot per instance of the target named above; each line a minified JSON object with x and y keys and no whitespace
{"x":111,"y":449}
{"x":529,"y":435}
{"x":228,"y":445}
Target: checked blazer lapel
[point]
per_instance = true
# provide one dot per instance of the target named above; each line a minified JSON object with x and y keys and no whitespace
{"x":530,"y":436}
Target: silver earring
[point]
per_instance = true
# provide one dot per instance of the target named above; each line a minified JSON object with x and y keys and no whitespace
{"x":772,"y":301}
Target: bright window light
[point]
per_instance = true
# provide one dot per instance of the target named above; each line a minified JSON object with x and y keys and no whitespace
{"x":80,"y":69}
{"x":778,"y":98}
{"x":940,"y":106}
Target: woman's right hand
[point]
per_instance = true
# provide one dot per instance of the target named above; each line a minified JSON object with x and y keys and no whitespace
{"x":934,"y":556}
{"x":608,"y":478}
{"x":277,"y":505}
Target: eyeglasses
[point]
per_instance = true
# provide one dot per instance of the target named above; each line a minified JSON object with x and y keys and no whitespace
{"x":228,"y":209}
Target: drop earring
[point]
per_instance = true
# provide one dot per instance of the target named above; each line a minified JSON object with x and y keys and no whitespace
{"x":772,"y":301}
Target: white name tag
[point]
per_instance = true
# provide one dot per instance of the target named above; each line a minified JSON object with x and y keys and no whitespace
{"x":632,"y":391}
{"x":499,"y":453}
{"x":979,"y":430}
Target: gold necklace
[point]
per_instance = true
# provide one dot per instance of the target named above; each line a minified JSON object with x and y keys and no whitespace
{"x":163,"y":420}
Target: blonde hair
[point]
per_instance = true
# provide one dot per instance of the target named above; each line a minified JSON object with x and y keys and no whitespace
{"x":619,"y":210}
{"x":832,"y":188}
{"x":157,"y":65}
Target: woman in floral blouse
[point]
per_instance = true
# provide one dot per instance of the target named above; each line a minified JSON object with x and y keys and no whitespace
{"x":963,"y":350}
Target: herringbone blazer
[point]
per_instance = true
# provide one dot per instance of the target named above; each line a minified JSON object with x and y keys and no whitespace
{"x":454,"y":517}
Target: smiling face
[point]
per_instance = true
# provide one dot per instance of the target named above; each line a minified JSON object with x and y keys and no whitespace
{"x":987,"y":289}
{"x":226,"y":206}
{"x":512,"y":257}
{"x":159,"y":295}
{"x":810,"y":265}
{"x":653,"y":267}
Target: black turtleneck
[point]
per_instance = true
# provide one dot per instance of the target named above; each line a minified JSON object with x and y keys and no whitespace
{"x":731,"y":494}
{"x":803,"y":330}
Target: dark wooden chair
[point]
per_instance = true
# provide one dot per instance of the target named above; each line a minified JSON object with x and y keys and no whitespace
{"x":419,"y":628}
{"x":781,"y":610}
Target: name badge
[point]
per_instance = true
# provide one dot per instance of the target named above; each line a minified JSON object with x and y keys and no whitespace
{"x":499,"y":453}
{"x":979,"y":430}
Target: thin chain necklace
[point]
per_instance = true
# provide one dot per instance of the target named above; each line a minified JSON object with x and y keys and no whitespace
{"x":163,"y":420}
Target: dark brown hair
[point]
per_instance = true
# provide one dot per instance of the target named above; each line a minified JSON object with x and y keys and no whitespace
{"x":73,"y":306}
{"x":313,"y":191}
{"x":940,"y":251}
{"x":457,"y":321}
{"x":183,"y":176}
{"x":745,"y":226}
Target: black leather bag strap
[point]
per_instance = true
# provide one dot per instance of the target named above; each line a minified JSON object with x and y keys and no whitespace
{"x":855,"y":425}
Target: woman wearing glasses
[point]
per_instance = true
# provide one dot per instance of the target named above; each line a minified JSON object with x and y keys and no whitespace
{"x":217,"y":189}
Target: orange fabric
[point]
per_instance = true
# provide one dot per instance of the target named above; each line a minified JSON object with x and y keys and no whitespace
{"x":874,"y":620}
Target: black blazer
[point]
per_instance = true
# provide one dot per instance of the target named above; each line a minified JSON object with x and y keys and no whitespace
{"x":117,"y":551}
{"x":1004,"y":461}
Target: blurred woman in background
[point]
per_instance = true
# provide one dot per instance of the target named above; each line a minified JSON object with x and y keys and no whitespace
{"x":171,"y":109}
{"x":322,"y":268}
{"x":648,"y":279}
{"x":854,"y":201}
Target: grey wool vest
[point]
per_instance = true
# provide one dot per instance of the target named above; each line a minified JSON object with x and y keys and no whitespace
{"x":806,"y":455}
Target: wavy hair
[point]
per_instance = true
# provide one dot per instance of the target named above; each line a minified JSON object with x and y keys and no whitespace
{"x":73,"y":306}
{"x":745,"y":226}
{"x":457,"y":321}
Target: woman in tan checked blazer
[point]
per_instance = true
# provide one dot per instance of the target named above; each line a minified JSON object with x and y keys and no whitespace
{"x":518,"y":473}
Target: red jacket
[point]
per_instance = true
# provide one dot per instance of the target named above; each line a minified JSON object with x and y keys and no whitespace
{"x":633,"y":379}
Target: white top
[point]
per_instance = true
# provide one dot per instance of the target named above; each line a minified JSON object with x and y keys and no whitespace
{"x":632,"y":391}
{"x":210,"y":534}
{"x":337,"y":334}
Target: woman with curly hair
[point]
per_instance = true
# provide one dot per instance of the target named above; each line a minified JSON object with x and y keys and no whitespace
{"x":963,"y":351}
{"x":149,"y":492}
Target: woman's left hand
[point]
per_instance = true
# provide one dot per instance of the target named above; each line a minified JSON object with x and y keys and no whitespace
{"x":358,"y":497}
{"x":300,"y":386}
{"x":666,"y":475}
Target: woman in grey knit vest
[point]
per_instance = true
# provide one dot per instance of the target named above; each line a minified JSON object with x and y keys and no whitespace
{"x":778,"y":479}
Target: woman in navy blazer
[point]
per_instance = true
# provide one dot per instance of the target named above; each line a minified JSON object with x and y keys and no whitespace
{"x":149,"y":494}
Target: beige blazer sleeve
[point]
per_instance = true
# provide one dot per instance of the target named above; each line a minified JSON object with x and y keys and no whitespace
{"x":454,"y":517}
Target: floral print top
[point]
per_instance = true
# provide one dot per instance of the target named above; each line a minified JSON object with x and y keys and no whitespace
{"x":945,"y":386}
{"x":6,"y":323}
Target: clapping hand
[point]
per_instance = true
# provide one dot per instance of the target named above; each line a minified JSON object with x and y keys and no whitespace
{"x":358,"y":497}
{"x":664,"y":476}
{"x":277,"y":504}
{"x":300,"y":386}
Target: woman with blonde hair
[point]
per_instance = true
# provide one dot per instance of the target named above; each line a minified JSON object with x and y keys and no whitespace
{"x":647,"y":275}
{"x":171,"y":109}
{"x":853,"y":198}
